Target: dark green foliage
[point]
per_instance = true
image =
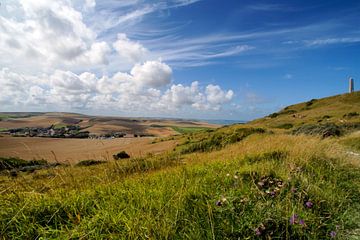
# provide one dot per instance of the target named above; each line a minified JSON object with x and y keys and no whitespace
{"x":323,"y":130}
{"x":84,"y":134}
{"x":273,"y":115}
{"x":311,"y":102}
{"x":350,"y":127}
{"x":218,"y":140}
{"x":17,"y":163}
{"x":287,"y":111}
{"x":351,"y":115}
{"x":285,"y":126}
{"x":89,"y":162}
{"x":121,"y":155}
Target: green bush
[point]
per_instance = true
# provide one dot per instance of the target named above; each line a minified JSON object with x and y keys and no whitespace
{"x":89,"y":162}
{"x":311,"y":102}
{"x":351,"y":115}
{"x":323,"y":130}
{"x":15,"y":163}
{"x":285,"y":126}
{"x":273,"y":115}
{"x":121,"y":155}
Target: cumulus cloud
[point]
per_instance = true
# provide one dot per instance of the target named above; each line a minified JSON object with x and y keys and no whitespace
{"x":132,"y":51}
{"x":119,"y":92}
{"x":51,"y":59}
{"x":152,"y":74}
{"x":49,"y":34}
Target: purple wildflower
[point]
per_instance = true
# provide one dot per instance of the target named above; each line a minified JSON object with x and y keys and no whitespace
{"x":332,"y":234}
{"x":257,"y":232}
{"x":218,"y":203}
{"x":302,"y":222}
{"x":293,"y":219}
{"x":309,"y":204}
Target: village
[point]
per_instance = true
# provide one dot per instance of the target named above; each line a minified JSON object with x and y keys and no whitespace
{"x":69,"y":131}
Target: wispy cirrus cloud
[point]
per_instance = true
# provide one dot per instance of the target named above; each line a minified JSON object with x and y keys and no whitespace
{"x":329,"y":41}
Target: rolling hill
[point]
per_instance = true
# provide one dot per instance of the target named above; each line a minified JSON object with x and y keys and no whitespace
{"x":247,"y":181}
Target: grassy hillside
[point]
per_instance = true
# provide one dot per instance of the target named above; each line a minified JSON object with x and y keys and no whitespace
{"x":247,"y":181}
{"x":338,"y":109}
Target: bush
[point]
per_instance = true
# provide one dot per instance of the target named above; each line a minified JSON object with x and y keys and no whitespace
{"x":121,"y":155}
{"x":16,"y":163}
{"x":273,"y":115}
{"x":351,"y":114}
{"x":89,"y":162}
{"x":311,"y":102}
{"x":285,"y":126}
{"x":324,"y":130}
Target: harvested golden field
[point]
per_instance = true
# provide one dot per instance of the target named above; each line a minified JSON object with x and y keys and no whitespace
{"x":99,"y":125}
{"x":75,"y":150}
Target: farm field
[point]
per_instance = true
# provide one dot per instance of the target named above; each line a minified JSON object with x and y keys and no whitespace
{"x":74,"y":150}
{"x":100,"y":124}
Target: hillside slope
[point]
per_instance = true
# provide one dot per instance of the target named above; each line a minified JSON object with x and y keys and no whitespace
{"x":236,"y":182}
{"x":337,"y":109}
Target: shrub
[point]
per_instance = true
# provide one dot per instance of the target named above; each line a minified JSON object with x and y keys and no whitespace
{"x":324,"y":130}
{"x":285,"y":126}
{"x":121,"y":155}
{"x":89,"y":162}
{"x":273,"y":115}
{"x":311,"y":102}
{"x":16,"y":163}
{"x":351,"y":114}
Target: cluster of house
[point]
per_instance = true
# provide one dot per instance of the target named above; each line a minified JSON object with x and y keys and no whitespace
{"x":118,"y":135}
{"x":71,"y":131}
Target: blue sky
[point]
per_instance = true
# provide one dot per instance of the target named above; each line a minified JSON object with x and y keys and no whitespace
{"x":176,"y":58}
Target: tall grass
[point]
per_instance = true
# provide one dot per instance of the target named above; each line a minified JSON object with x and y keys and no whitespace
{"x":259,"y":188}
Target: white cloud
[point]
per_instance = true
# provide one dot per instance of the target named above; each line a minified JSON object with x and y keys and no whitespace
{"x":134,"y":52}
{"x":49,"y":35}
{"x":216,"y":96}
{"x":119,"y":93}
{"x":328,"y":41}
{"x":152,"y":74}
{"x":89,"y":4}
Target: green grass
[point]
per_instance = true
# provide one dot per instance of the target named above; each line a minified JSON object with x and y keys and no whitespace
{"x":183,"y":130}
{"x":334,"y":109}
{"x":221,"y":199}
{"x":353,"y":143}
{"x":59,"y":126}
{"x":3,"y":129}
{"x":236,"y":182}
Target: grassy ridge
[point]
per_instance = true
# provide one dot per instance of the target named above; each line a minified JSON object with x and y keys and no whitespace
{"x":338,"y":109}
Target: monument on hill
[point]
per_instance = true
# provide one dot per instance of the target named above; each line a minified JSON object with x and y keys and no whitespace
{"x":351,"y":85}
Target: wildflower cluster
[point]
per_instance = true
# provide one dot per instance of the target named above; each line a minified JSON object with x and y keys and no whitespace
{"x":270,"y":186}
